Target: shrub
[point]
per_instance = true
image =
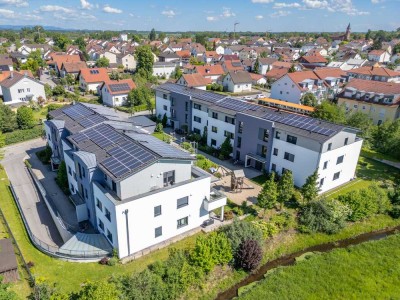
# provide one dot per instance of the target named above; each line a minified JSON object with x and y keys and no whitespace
{"x":25,"y":118}
{"x":395,"y":212}
{"x":267,"y":228}
{"x":323,"y":216}
{"x":249,"y":255}
{"x":62,"y":178}
{"x":366,"y":202}
{"x":112,"y":261}
{"x":211,"y":250}
{"x":239,"y":231}
{"x":159,"y":128}
{"x":23,"y":135}
{"x":30,"y":264}
{"x":44,"y":155}
{"x":282,"y":220}
{"x":228,"y":215}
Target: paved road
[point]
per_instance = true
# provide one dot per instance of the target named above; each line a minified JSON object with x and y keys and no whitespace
{"x":34,"y":208}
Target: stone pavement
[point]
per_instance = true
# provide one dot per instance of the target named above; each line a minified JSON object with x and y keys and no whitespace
{"x":33,"y":207}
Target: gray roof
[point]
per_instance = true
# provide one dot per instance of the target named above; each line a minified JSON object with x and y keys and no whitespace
{"x":15,"y":78}
{"x":142,"y":121}
{"x":240,"y":77}
{"x":169,"y":55}
{"x":89,"y":159}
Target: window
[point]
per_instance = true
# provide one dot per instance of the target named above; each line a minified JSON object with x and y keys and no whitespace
{"x":346,"y":140}
{"x":213,"y":142}
{"x":239,"y":142}
{"x":197,"y":119}
{"x":181,"y":202}
{"x":228,"y":134}
{"x":158,"y":232}
{"x":114,"y":186}
{"x":69,"y":170}
{"x":83,"y":172}
{"x":215,"y":115}
{"x":325,"y":165}
{"x":339,"y":160}
{"x":99,"y":204}
{"x":157,"y":210}
{"x":263,"y":134}
{"x":165,"y":96}
{"x":165,"y":107}
{"x":275,"y":151}
{"x":273,"y":167}
{"x":289,"y":156}
{"x":240,"y":129}
{"x":329,"y":146}
{"x":80,"y":170}
{"x":182,"y":222}
{"x":109,"y":236}
{"x":285,"y":170}
{"x":321,"y":182}
{"x":101,"y":225}
{"x":278,"y":135}
{"x":169,"y":178}
{"x":72,"y":188}
{"x":229,"y":120}
{"x":336,"y":175}
{"x":261,"y":150}
{"x":28,"y":90}
{"x":214,"y":129}
{"x":291,"y":139}
{"x":197,"y":106}
{"x":186,"y":118}
{"x":86,"y":194}
{"x":186,"y":106}
{"x":196,"y":130}
{"x":107,"y":214}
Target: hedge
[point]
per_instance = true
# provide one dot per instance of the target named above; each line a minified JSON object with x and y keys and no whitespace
{"x":23,"y":135}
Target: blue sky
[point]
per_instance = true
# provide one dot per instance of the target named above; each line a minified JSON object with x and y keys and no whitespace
{"x":218,"y":15}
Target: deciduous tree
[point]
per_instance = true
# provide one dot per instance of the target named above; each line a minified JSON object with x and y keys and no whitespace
{"x":145,"y":61}
{"x":310,"y":188}
{"x":25,"y":119}
{"x":285,"y":187}
{"x":268,"y":196}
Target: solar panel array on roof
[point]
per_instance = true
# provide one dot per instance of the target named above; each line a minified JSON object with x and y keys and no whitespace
{"x":127,"y":157}
{"x":119,"y":87}
{"x":298,"y":121}
{"x":94,"y":71}
{"x":102,"y":135}
{"x":236,"y":64}
{"x":237,"y":105}
{"x":198,"y":94}
{"x":91,"y":120}
{"x":77,"y":112}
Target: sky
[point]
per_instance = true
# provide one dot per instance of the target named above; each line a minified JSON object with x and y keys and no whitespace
{"x":202,"y":15}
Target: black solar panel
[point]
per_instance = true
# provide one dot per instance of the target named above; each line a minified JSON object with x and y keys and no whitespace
{"x":126,"y":158}
{"x":102,"y":135}
{"x":77,"y":112}
{"x":119,"y":87}
{"x":237,"y":105}
{"x":91,"y":120}
{"x":94,"y":71}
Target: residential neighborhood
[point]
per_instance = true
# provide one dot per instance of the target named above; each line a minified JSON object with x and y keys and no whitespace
{"x":151,"y":152}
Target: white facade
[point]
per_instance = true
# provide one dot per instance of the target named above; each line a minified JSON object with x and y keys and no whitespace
{"x":128,"y":61}
{"x":285,"y":89}
{"x":163,"y":70}
{"x":113,"y":100}
{"x":233,"y":87}
{"x":163,"y":105}
{"x":199,"y":118}
{"x":384,"y":57}
{"x":220,"y":50}
{"x":24,"y":90}
{"x":221,"y":127}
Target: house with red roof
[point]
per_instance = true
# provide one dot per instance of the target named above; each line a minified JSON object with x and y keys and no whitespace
{"x":92,"y":78}
{"x":212,"y":72}
{"x":375,"y":73}
{"x":379,"y":100}
{"x":195,"y":80}
{"x":115,"y":92}
{"x":313,"y":61}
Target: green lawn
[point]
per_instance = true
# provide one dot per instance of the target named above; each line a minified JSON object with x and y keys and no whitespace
{"x":373,"y":154}
{"x":367,"y":271}
{"x":70,"y":275}
{"x":260,"y":179}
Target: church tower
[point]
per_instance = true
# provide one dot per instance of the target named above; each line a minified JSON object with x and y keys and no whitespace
{"x":347,"y":34}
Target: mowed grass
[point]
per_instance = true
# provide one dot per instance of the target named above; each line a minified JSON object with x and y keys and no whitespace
{"x":367,"y":271}
{"x":68,"y":276}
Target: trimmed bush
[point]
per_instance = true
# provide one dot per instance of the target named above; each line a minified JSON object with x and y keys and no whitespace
{"x":23,"y":135}
{"x":249,"y":255}
{"x":395,"y":212}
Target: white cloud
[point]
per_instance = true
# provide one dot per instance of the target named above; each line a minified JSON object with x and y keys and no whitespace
{"x":315,"y":4}
{"x":169,"y":13}
{"x":227,"y":13}
{"x":376,"y":1}
{"x":343,"y":6}
{"x":280,"y":13}
{"x":262,"y":1}
{"x":259,"y":17}
{"x":211,"y":18}
{"x":280,"y":5}
{"x":10,"y":14}
{"x":86,"y":4}
{"x":111,"y":10}
{"x":7,"y":13}
{"x":18,"y":3}
{"x":54,"y":8}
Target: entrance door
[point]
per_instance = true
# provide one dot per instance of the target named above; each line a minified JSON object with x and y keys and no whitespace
{"x":172,"y":124}
{"x":237,"y":155}
{"x":258,"y":165}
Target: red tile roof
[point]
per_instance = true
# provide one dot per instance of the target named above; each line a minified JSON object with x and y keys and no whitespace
{"x":277,"y":73}
{"x":210,"y":70}
{"x":196,"y":79}
{"x":323,"y":73}
{"x":311,"y":59}
{"x":378,"y":71}
{"x":60,"y":59}
{"x":374,"y":86}
{"x":90,"y":75}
